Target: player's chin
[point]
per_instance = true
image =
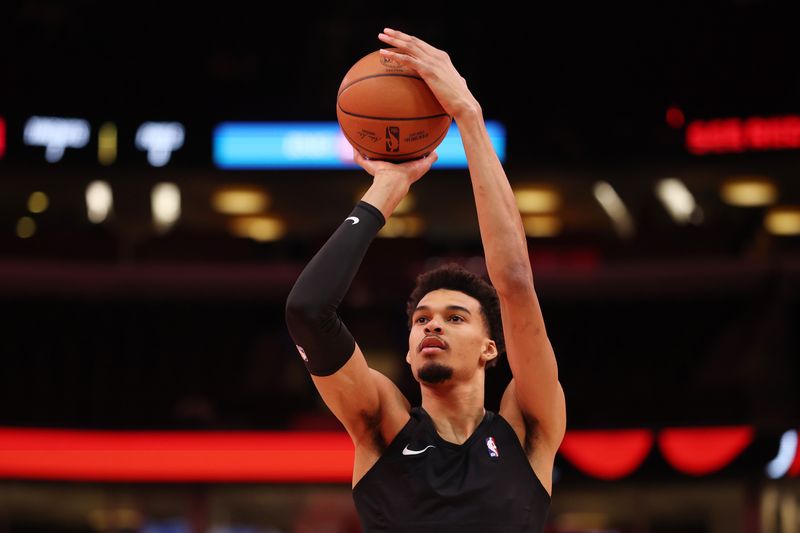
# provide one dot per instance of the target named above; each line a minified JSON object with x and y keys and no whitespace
{"x":433,"y":372}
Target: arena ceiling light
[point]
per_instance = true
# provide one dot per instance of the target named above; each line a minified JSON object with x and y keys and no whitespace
{"x":536,"y":199}
{"x":542,"y":225}
{"x":749,"y":191}
{"x":26,"y":227}
{"x":107,"y":144}
{"x":402,"y":226}
{"x":240,"y":200}
{"x":165,"y":201}
{"x":679,"y":201}
{"x":615,"y":208}
{"x":783,"y":220}
{"x":259,"y":228}
{"x":99,"y":201}
{"x":38,"y":202}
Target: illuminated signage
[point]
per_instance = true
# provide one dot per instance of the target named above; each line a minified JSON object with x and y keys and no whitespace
{"x":316,"y":145}
{"x":56,"y":135}
{"x":731,"y":135}
{"x":327,"y":456}
{"x":235,"y":145}
{"x":159,"y":140}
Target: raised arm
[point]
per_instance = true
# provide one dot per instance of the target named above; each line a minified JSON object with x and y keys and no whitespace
{"x":537,"y":392}
{"x":357,"y":395}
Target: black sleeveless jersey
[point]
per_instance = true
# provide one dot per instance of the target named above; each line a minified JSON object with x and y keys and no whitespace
{"x":422,"y":483}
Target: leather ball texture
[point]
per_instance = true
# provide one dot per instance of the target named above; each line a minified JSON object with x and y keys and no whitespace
{"x":387,"y":112}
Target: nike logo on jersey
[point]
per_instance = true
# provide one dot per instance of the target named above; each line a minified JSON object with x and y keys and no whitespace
{"x":406,"y":451}
{"x":354,"y":219}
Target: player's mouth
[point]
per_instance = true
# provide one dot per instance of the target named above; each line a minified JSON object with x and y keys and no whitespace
{"x":432,"y":345}
{"x":432,"y":349}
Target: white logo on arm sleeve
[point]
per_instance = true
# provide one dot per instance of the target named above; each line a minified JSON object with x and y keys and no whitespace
{"x":354,"y":219}
{"x":302,"y":352}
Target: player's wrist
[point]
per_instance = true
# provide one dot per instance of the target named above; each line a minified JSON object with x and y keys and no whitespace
{"x":392,"y":181}
{"x":386,"y":193}
{"x":468,"y":112}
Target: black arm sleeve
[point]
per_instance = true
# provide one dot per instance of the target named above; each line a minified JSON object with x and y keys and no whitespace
{"x":322,"y":339}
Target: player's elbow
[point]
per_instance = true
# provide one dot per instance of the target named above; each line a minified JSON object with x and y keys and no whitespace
{"x":514,"y":282}
{"x":300,"y":309}
{"x":306,"y":308}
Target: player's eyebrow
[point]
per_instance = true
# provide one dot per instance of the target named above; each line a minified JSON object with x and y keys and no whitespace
{"x":449,"y":308}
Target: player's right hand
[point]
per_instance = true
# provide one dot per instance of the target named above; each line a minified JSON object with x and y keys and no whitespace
{"x":408,"y":172}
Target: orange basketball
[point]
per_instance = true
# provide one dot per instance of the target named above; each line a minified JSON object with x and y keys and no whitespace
{"x":387,"y":111}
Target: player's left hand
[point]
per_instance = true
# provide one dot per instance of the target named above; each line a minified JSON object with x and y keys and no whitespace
{"x":435,"y":67}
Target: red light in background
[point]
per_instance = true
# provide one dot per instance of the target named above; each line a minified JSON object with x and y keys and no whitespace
{"x":2,"y":137}
{"x":80,"y":455}
{"x":700,"y":451}
{"x":794,"y":470}
{"x":319,"y":456}
{"x":675,"y":117}
{"x":739,"y":135}
{"x":607,"y":454}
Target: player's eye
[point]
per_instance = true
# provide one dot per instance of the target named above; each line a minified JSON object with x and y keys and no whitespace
{"x":457,"y":316}
{"x":419,"y":318}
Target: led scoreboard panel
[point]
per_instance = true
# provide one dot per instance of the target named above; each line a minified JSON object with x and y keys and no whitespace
{"x":240,"y":145}
{"x":42,"y":141}
{"x":54,"y":140}
{"x":317,"y":145}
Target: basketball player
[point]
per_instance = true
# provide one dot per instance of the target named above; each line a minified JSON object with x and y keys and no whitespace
{"x":448,"y":464}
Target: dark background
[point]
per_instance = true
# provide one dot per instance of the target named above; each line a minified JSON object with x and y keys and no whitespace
{"x":114,"y":326}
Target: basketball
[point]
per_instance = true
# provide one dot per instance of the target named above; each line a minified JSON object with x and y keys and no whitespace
{"x":387,"y":112}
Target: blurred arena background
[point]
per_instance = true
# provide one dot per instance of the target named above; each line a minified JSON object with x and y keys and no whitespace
{"x":166,"y":171}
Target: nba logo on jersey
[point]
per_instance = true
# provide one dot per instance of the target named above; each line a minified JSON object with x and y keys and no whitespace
{"x":492,"y":447}
{"x":302,"y":353}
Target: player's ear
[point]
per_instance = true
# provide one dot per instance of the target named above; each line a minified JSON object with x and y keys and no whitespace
{"x":490,"y":351}
{"x":408,"y":357}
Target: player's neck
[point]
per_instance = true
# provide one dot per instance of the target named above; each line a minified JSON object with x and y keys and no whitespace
{"x":456,"y":411}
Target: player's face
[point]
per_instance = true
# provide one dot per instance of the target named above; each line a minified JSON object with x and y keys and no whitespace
{"x":454,"y":319}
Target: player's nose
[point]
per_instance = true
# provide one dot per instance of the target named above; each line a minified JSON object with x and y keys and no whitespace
{"x":432,"y":325}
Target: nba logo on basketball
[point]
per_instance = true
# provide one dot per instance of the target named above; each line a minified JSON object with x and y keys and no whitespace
{"x":492,"y":447}
{"x":392,"y":138}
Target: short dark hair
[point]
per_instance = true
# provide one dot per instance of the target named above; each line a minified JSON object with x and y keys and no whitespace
{"x":453,"y":276}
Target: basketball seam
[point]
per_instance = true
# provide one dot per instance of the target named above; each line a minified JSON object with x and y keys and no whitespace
{"x":389,"y":118}
{"x":343,"y":89}
{"x":404,"y":154}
